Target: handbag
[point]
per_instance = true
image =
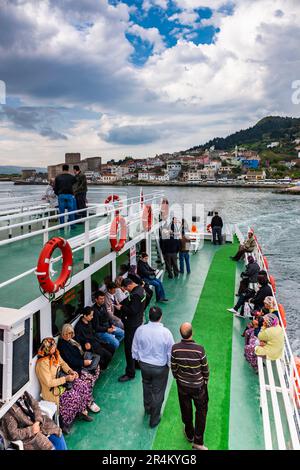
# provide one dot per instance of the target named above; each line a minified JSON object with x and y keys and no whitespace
{"x":60,"y":373}
{"x":95,"y":358}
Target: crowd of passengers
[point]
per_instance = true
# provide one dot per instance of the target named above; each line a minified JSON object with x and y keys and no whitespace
{"x":264,"y":335}
{"x":67,"y":370}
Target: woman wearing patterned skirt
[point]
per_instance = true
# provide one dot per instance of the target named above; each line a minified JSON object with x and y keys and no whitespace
{"x":70,"y":402}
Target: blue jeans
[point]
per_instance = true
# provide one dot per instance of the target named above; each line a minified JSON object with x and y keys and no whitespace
{"x":114,"y":339}
{"x":159,"y":289}
{"x":184,"y":256}
{"x":66,"y":202}
{"x":58,"y":442}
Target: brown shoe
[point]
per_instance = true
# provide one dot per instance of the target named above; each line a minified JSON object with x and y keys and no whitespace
{"x":199,"y":447}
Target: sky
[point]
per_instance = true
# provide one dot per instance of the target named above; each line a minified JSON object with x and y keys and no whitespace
{"x":140,"y":77}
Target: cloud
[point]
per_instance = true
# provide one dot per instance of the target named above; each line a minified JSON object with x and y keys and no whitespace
{"x":150,"y":35}
{"x":132,"y":135}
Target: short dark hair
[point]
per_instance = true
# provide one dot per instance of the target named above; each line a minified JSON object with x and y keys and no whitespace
{"x":216,"y":213}
{"x":76,"y":167}
{"x":155,"y":314}
{"x":187,"y":334}
{"x":99,"y":293}
{"x":86,"y":311}
{"x":65,"y":167}
{"x":144,"y":254}
{"x":111,"y":285}
{"x":127,"y":282}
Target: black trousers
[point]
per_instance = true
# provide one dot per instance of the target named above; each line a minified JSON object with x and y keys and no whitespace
{"x":81,"y":204}
{"x":128,"y":339}
{"x":171,"y":264}
{"x":217,"y":234}
{"x":188,"y":395}
{"x":105,"y":352}
{"x":155,"y":379}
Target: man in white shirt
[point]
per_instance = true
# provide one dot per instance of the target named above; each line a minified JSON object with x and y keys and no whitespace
{"x":152,"y":345}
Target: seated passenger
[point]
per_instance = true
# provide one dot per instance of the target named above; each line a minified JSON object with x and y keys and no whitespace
{"x":112,"y":305}
{"x":71,"y":352}
{"x":271,"y":338}
{"x":123,"y":270}
{"x":71,"y":401}
{"x":103,"y":324}
{"x":148,"y":275}
{"x":247,"y":247}
{"x":106,"y":281}
{"x":86,"y":336}
{"x":25,"y":422}
{"x":120,"y":294}
{"x":256,"y":299}
{"x":249,"y":275}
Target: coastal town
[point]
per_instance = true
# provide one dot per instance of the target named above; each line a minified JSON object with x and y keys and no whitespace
{"x":209,"y":167}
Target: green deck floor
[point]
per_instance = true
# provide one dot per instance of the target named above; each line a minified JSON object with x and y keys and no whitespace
{"x":213,"y":329}
{"x":121,"y":423}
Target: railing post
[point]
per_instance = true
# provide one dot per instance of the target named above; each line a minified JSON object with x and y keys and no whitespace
{"x":87,"y":255}
{"x":46,"y":233}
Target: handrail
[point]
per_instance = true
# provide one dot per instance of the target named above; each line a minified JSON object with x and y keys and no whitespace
{"x":59,"y":226}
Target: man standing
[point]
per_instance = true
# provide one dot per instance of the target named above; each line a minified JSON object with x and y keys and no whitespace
{"x":63,"y":188}
{"x":170,"y":249}
{"x":152,"y":344}
{"x":217,"y":225}
{"x":190,"y":369}
{"x":132,"y":314}
{"x":103,"y":324}
{"x":80,"y":190}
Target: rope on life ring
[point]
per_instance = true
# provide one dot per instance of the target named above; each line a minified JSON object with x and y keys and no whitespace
{"x":118,"y":222}
{"x":208,"y":228}
{"x":43,"y":266}
{"x":147,"y":217}
{"x":164,"y":209}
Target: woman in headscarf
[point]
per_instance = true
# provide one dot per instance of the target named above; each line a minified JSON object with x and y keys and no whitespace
{"x":271,"y":338}
{"x":24,"y":421}
{"x":72,"y":352}
{"x":70,"y":401}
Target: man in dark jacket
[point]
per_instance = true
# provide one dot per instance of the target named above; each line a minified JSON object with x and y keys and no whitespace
{"x":86,"y":336}
{"x":256,"y":299}
{"x":80,"y":190}
{"x":190,"y":369}
{"x":217,"y":225}
{"x":132,"y":314}
{"x":170,"y":248}
{"x":148,"y":274}
{"x":63,"y":188}
{"x":249,"y":275}
{"x":103,"y":324}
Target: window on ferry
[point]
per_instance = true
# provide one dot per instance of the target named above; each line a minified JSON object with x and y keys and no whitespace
{"x":36,"y":332}
{"x":98,"y":278}
{"x":67,"y":308}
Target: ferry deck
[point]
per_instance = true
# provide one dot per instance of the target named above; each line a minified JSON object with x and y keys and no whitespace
{"x":245,"y":412}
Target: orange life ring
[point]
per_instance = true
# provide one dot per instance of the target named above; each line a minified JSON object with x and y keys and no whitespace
{"x":116,"y":244}
{"x":266,"y":262}
{"x":112,"y":198}
{"x":208,"y":228}
{"x":164,"y":209}
{"x":43,"y":265}
{"x":282,"y":315}
{"x":194,"y":229}
{"x":273,"y":283}
{"x":147,"y":217}
{"x":297,"y":383}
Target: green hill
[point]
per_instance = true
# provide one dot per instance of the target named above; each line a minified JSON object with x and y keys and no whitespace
{"x":269,"y":129}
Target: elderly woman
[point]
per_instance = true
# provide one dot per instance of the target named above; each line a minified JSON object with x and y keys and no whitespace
{"x":72,"y":352}
{"x":270,"y":340}
{"x":71,"y":401}
{"x":24,"y":421}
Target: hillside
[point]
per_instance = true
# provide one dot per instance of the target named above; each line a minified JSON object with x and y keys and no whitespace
{"x":267,"y":130}
{"x":17,"y":170}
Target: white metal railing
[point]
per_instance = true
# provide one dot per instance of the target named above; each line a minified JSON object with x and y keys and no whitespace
{"x":83,"y":241}
{"x":287,"y":415}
